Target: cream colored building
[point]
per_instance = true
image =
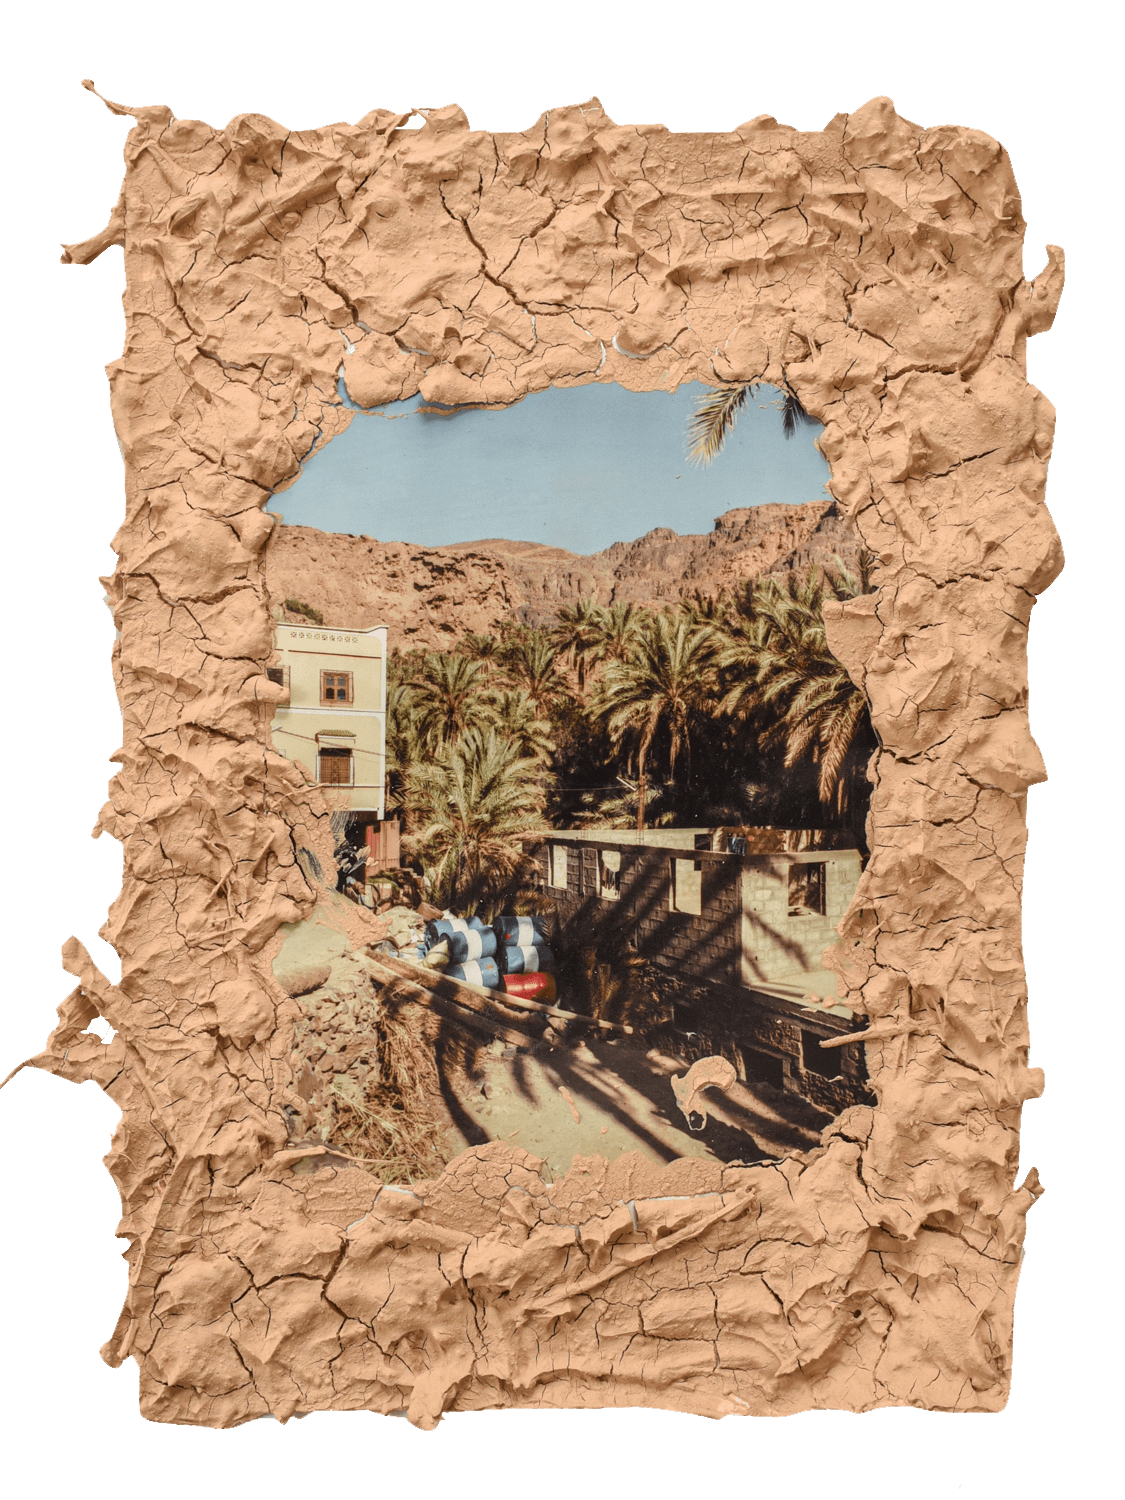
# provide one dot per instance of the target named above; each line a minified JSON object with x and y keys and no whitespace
{"x":334,"y":722}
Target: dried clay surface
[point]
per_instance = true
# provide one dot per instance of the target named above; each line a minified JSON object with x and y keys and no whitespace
{"x":874,"y":270}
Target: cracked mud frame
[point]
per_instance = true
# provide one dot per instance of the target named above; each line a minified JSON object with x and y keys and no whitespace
{"x":872,"y":269}
{"x":646,"y":750}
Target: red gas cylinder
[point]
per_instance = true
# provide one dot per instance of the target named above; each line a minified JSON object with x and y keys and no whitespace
{"x":537,"y":986}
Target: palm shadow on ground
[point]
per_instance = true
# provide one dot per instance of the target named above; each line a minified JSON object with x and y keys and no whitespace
{"x":623,"y":1099}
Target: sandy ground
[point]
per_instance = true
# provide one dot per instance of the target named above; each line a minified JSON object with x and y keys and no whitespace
{"x":582,"y":1098}
{"x":607,"y":1098}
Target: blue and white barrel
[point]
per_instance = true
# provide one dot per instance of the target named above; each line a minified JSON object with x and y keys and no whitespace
{"x":448,"y":927}
{"x":471,"y":945}
{"x":520,"y":932}
{"x":476,"y":971}
{"x":444,"y":926}
{"x":526,"y":958}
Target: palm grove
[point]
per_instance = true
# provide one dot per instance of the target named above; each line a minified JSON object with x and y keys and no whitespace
{"x":727,"y":711}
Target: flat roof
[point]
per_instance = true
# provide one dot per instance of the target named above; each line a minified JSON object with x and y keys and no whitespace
{"x":657,"y":838}
{"x":328,"y":629}
{"x":679,"y":838}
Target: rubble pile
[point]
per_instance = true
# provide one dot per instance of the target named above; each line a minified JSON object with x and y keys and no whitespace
{"x":380,"y":890}
{"x":366,"y":1073}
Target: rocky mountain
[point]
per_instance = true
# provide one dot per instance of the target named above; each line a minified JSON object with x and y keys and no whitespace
{"x":429,"y":596}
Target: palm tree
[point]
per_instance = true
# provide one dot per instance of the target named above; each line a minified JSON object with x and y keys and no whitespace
{"x":482,"y":648}
{"x":713,"y":418}
{"x":405,"y":742}
{"x":706,"y":609}
{"x":475,"y":804}
{"x":766,"y":610}
{"x":615,"y":630}
{"x":515,"y":715}
{"x":793,"y":414}
{"x":618,"y":809}
{"x":715,"y":414}
{"x":576,"y":634}
{"x":659,"y":685}
{"x":782,"y":664}
{"x":531,"y":665}
{"x":448,"y":697}
{"x":825,"y":717}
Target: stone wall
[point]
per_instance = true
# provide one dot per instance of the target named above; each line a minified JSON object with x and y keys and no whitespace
{"x":770,"y":1041}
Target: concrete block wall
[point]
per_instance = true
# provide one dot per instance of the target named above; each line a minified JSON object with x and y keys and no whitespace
{"x":778,"y":948}
{"x":708,"y":971}
{"x":640,"y":918}
{"x":743,"y":933}
{"x":705,"y":946}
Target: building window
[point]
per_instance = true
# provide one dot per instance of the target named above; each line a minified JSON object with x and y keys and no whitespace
{"x":687,"y":886}
{"x":764,"y":1067}
{"x":335,"y":687}
{"x":609,"y":874}
{"x":806,"y":890}
{"x":556,"y":866}
{"x":818,"y":1059}
{"x":334,"y":767}
{"x":276,"y":674}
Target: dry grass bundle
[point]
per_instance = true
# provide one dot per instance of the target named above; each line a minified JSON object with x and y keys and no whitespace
{"x":390,"y":1119}
{"x":368,"y":1073}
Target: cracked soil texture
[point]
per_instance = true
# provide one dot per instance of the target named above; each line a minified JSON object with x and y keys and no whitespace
{"x":872,"y":268}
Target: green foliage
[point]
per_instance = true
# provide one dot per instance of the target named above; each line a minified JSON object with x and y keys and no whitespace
{"x":530,"y":662}
{"x":728,"y":710}
{"x":717,"y":710}
{"x":713,"y":418}
{"x":473,"y":805}
{"x":516,"y":715}
{"x":663,"y":680}
{"x":298,"y":608}
{"x":715,"y":413}
{"x":447,"y":697}
{"x":779,"y":667}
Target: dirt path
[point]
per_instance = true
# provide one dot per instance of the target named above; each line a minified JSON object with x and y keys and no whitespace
{"x":606,"y":1098}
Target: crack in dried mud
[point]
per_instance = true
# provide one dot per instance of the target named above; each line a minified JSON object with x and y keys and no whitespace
{"x":763,"y":254}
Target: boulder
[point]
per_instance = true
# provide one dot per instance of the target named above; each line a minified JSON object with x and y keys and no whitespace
{"x":299,"y":978}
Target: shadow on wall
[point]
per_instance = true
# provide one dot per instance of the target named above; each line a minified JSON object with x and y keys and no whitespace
{"x":703,"y":940}
{"x":712,"y":954}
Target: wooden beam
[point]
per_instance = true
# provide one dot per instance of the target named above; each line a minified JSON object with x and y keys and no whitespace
{"x":442,"y":984}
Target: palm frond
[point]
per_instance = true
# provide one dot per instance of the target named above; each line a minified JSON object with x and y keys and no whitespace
{"x":837,"y":738}
{"x":793,"y":413}
{"x":712,"y":419}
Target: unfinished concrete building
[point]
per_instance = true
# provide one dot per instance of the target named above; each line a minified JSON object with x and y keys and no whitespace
{"x":735,"y":923}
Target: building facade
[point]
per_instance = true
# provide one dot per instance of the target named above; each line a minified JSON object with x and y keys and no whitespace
{"x":735,"y":922}
{"x":334,"y":720}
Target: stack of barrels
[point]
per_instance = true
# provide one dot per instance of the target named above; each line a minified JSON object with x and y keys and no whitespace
{"x":512,"y":954}
{"x":472,"y":949}
{"x":524,"y":958}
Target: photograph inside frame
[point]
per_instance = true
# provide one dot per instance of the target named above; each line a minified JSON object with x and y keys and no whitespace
{"x":596,"y":784}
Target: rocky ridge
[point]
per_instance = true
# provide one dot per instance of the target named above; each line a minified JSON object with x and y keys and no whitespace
{"x":429,"y":596}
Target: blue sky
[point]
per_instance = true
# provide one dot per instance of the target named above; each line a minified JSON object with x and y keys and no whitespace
{"x":577,"y":467}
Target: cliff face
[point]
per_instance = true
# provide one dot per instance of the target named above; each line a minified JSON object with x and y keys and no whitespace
{"x":429,"y":596}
